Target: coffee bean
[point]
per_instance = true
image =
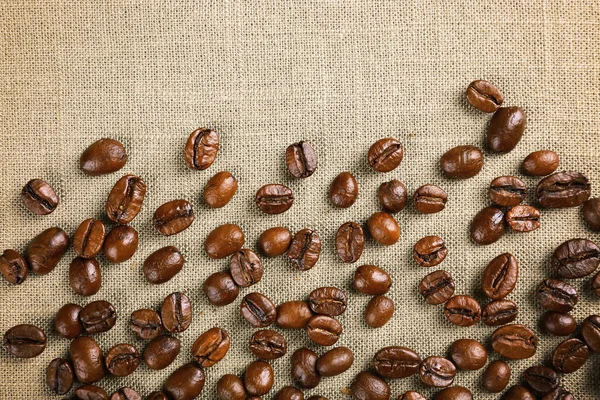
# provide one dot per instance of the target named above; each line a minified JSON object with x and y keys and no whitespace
{"x":576,"y":258}
{"x":210,"y":347}
{"x":274,"y":198}
{"x":563,"y":189}
{"x":484,"y":96}
{"x":146,"y":324}
{"x":176,"y":312}
{"x":454,"y":393}
{"x":412,"y":395}
{"x":224,"y":240}
{"x":87,"y":359}
{"x":506,"y":129}
{"x":173,"y":217}
{"x":125,"y":393}
{"x":437,"y":287}
{"x":329,"y":301}
{"x":185,"y":383}
{"x":274,"y":241}
{"x":349,"y":242}
{"x":468,"y":354}
{"x":370,"y":279}
{"x":98,"y":316}
{"x":499,"y":312}
{"x":301,"y":159}
{"x":462,"y":310}
{"x":507,"y":191}
{"x":103,"y":157}
{"x":437,"y":371}
{"x":25,"y":341}
{"x":305,"y":249}
{"x":246,"y":268}
{"x":46,"y":249}
{"x":515,"y":342}
{"x":570,"y":355}
{"x":163,"y":264}
{"x":392,"y":196}
{"x":343,"y":190}
{"x":259,"y":378}
{"x":379,"y":311}
{"x":541,"y":379}
{"x":231,"y":387}
{"x":368,"y":386}
{"x":590,"y":332}
{"x":523,"y":218}
{"x":201,"y":148}
{"x":120,"y":244}
{"x":85,"y":276}
{"x":383,"y":228}
{"x":558,"y":324}
{"x":518,"y":392}
{"x":396,"y":362}
{"x":591,"y":213}
{"x":496,"y":376}
{"x":596,"y":284}
{"x":90,"y":392}
{"x":67,"y":323}
{"x":430,"y":251}
{"x":500,"y":276}
{"x":540,"y":163}
{"x":385,"y":155}
{"x":289,"y":393}
{"x":462,"y":162}
{"x":13,"y":267}
{"x":323,"y":330}
{"x":220,"y":189}
{"x":220,"y":289}
{"x":59,"y":376}
{"x":304,"y":368}
{"x":268,"y":344}
{"x":125,"y":199}
{"x":122,"y":359}
{"x":161,"y":352}
{"x":258,"y":310}
{"x":488,"y":226}
{"x":560,"y":393}
{"x":335,"y":361}
{"x":293,"y":315}
{"x":39,"y":197}
{"x":430,"y":199}
{"x":556,"y":295}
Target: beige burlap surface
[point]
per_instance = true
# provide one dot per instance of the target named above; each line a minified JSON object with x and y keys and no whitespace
{"x":339,"y":74}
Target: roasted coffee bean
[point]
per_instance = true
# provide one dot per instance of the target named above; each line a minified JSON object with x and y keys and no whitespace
{"x":454,"y":393}
{"x":437,"y":287}
{"x":201,"y":148}
{"x":274,"y":198}
{"x":462,"y":162}
{"x":25,"y":341}
{"x":125,"y":199}
{"x":305,"y":249}
{"x":596,"y":284}
{"x":301,"y":159}
{"x":396,"y":362}
{"x":499,"y":312}
{"x":259,"y":378}
{"x":268,"y":344}
{"x":220,"y":289}
{"x":329,"y":301}
{"x":412,"y":395}
{"x":556,"y":295}
{"x":430,"y":199}
{"x":289,"y":393}
{"x":231,"y":387}
{"x":185,"y":383}
{"x":67,"y":323}
{"x":488,"y":226}
{"x":173,"y":217}
{"x":437,"y":371}
{"x":368,"y":386}
{"x":125,"y":393}
{"x":541,"y":379}
{"x":370,"y":279}
{"x":484,"y":96}
{"x":323,"y":330}
{"x":343,"y":190}
{"x":163,"y":264}
{"x":515,"y":342}
{"x":507,"y":191}
{"x":540,"y":163}
{"x":103,"y":157}
{"x":90,"y":392}
{"x":122,"y":359}
{"x":120,"y":244}
{"x":13,"y":267}
{"x":258,"y":310}
{"x":462,"y":310}
{"x":335,"y":361}
{"x":383,"y":228}
{"x":518,"y":392}
{"x":220,"y":189}
{"x":304,"y":368}
{"x":274,"y":241}
{"x":560,"y":393}
{"x":558,"y":324}
{"x":98,"y":316}
{"x":293,"y":315}
{"x":161,"y":352}
{"x":591,"y":213}
{"x":570,"y":355}
{"x":59,"y":376}
{"x":46,"y":249}
{"x":210,"y":347}
{"x":576,"y":258}
{"x":385,"y":155}
{"x":468,"y":354}
{"x":246,"y":268}
{"x":176,"y":312}
{"x":496,"y":376}
{"x":590,"y":331}
{"x":224,"y":240}
{"x":523,"y":218}
{"x":563,"y":189}
{"x":392,"y":196}
{"x":349,"y":242}
{"x":87,"y":359}
{"x":85,"y":276}
{"x":39,"y":197}
{"x":145,"y":323}
{"x":500,"y":276}
{"x":379,"y":311}
{"x":430,"y":251}
{"x":506,"y":129}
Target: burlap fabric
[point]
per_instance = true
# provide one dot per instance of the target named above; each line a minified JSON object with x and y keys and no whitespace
{"x":339,"y":74}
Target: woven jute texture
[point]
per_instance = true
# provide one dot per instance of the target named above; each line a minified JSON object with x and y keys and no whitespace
{"x":338,"y":74}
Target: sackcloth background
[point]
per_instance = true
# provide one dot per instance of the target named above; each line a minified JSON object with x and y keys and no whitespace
{"x":339,"y":74}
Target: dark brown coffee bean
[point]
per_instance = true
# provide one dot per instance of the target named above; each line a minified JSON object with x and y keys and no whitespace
{"x":87,"y":359}
{"x":125,"y":199}
{"x":39,"y":197}
{"x":274,"y":241}
{"x":540,"y":163}
{"x":259,"y":378}
{"x":462,"y":310}
{"x":335,"y":361}
{"x":468,"y":354}
{"x":368,"y":386}
{"x":268,"y":344}
{"x":523,"y":218}
{"x":85,"y":276}
{"x":13,"y":267}
{"x":430,"y":251}
{"x":201,"y":148}
{"x":185,"y":383}
{"x":556,"y":295}
{"x":484,"y":96}
{"x":590,"y":332}
{"x":231,"y":387}
{"x":274,"y":198}
{"x":515,"y":342}
{"x":596,"y":284}
{"x":220,"y":189}
{"x":161,"y":352}
{"x":560,"y":393}
{"x":383,"y":228}
{"x":576,"y":258}
{"x":370,"y":279}
{"x":507,"y":191}
{"x":258,"y":310}
{"x":454,"y":393}
{"x":349,"y":242}
{"x":103,"y":157}
{"x":304,"y":368}
{"x":176,"y":312}
{"x":120,"y":244}
{"x":541,"y":379}
{"x":591,"y":213}
{"x":293,"y":315}
{"x":67,"y":323}
{"x":59,"y":376}
{"x":25,"y":341}
{"x":506,"y":129}
{"x":462,"y":162}
{"x":396,"y":362}
{"x":145,"y":323}
{"x":223,"y":241}
{"x":125,"y":393}
{"x":499,"y":312}
{"x":500,"y":276}
{"x":210,"y":347}
{"x":379,"y":311}
{"x":323,"y":330}
{"x":98,"y":316}
{"x":305,"y":249}
{"x":437,"y":371}
{"x":343,"y":190}
{"x":392,"y":196}
{"x":563,"y":189}
{"x":220,"y":289}
{"x":496,"y":376}
{"x":246,"y":268}
{"x":173,"y":217}
{"x":90,"y":392}
{"x":430,"y":199}
{"x":558,"y":324}
{"x":412,"y":395}
{"x":488,"y":226}
{"x":437,"y":287}
{"x":518,"y":392}
{"x":122,"y":359}
{"x":301,"y":159}
{"x":385,"y":155}
{"x":46,"y":249}
{"x":289,"y":393}
{"x":163,"y":264}
{"x":329,"y":301}
{"x":570,"y":355}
